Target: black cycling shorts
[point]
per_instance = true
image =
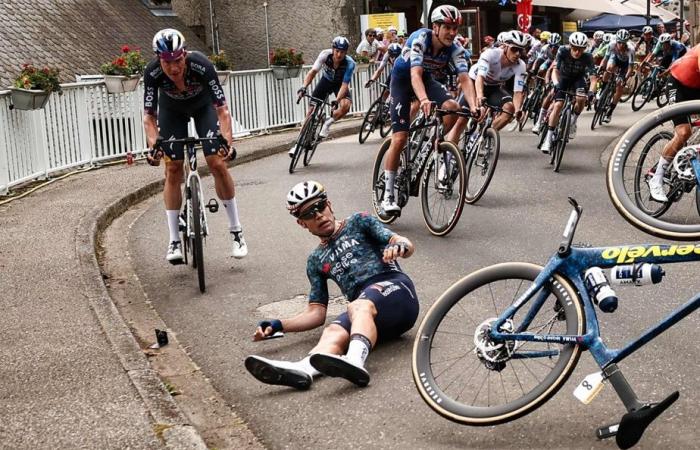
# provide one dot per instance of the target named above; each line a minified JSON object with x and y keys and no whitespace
{"x":497,"y":95}
{"x":324,"y":88}
{"x":677,"y":93}
{"x":173,"y":123}
{"x":402,"y":95}
{"x":577,"y":85}
{"x":396,"y":301}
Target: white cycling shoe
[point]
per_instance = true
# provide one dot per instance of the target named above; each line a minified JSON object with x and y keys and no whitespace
{"x":340,"y":366}
{"x":174,"y":254}
{"x":325,"y":129}
{"x":292,"y":151}
{"x":656,"y":190}
{"x":536,"y":128}
{"x":546,"y":145}
{"x":572,"y":130}
{"x":240,"y":248}
{"x":281,"y":373}
{"x":389,"y":206}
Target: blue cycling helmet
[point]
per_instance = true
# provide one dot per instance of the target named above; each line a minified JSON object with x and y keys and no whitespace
{"x":394,"y":50}
{"x":169,"y":44}
{"x":341,"y":43}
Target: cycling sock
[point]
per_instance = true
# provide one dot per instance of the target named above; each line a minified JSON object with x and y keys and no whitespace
{"x":574,"y":118}
{"x":305,"y":366}
{"x":358,"y":349}
{"x":173,"y":224}
{"x":231,"y":206}
{"x":390,"y":177}
{"x":550,"y":133}
{"x":543,"y":112}
{"x":661,"y":168}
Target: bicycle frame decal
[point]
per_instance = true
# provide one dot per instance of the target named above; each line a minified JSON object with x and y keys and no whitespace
{"x":629,"y":254}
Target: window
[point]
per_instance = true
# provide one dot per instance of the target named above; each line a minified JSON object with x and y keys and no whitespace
{"x":159,"y":7}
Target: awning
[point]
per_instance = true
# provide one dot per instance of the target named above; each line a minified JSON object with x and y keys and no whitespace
{"x":641,"y":7}
{"x":613,"y":22}
{"x":586,"y":9}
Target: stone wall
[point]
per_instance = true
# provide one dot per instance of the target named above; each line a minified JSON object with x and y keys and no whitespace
{"x":305,"y":25}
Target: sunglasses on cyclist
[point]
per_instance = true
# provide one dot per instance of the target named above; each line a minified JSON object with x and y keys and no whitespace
{"x":316,"y":208}
{"x":516,"y":49}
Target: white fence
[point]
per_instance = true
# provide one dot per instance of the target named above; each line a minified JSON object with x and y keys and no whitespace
{"x":87,"y":125}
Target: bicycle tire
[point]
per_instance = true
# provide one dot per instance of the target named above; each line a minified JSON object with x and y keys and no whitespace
{"x":379,"y":185}
{"x":312,"y":145}
{"x":563,"y":138}
{"x":615,"y":180}
{"x":197,"y":238}
{"x":448,"y":155}
{"x":473,"y":194}
{"x":662,"y":96}
{"x":635,"y":81}
{"x":644,"y":93}
{"x":639,"y":173}
{"x":369,"y":122}
{"x":567,"y":315}
{"x":185,"y":239}
{"x":597,"y":113}
{"x":300,"y":144}
{"x":385,"y":121}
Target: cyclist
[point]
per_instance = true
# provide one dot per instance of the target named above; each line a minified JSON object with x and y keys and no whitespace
{"x":426,"y":52}
{"x":683,"y":84}
{"x":569,"y":73}
{"x":543,"y":66}
{"x":667,"y":50}
{"x":534,"y":52}
{"x":393,"y":52}
{"x":602,"y":51}
{"x":336,"y":69}
{"x":598,"y":40}
{"x":360,"y":256}
{"x":179,"y":85}
{"x":619,"y":61}
{"x":493,"y":70}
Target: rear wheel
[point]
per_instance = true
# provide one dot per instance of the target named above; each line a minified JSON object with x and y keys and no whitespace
{"x":443,"y":187}
{"x":662,"y":96}
{"x":646,"y":166}
{"x":562,"y":138}
{"x":370,"y":121}
{"x":629,"y":88}
{"x":300,"y":146}
{"x":384,"y":120}
{"x":467,"y":377}
{"x":197,"y":238}
{"x":481,"y":165}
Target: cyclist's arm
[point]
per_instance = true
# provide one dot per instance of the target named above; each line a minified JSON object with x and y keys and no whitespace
{"x":417,"y":83}
{"x":309,"y":77}
{"x":519,"y":87}
{"x":342,"y":92}
{"x":347,"y":78}
{"x":555,"y":74}
{"x":225,"y":123}
{"x":150,"y":126}
{"x":380,"y":69}
{"x":467,"y":86}
{"x":312,"y":317}
{"x":479,"y":87}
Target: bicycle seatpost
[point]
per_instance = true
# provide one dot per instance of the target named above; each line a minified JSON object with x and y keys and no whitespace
{"x":570,"y":230}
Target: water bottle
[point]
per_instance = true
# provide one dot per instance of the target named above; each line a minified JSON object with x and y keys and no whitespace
{"x":637,"y":274}
{"x":599,"y":289}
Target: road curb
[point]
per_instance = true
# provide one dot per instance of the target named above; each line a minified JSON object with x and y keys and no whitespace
{"x":162,"y":407}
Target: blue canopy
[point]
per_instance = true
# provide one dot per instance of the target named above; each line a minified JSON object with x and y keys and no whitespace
{"x":613,"y":22}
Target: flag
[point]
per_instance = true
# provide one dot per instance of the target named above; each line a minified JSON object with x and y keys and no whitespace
{"x":524,"y":11}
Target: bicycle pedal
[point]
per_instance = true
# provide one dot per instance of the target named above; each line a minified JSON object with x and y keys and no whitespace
{"x":212,"y":205}
{"x":607,"y":431}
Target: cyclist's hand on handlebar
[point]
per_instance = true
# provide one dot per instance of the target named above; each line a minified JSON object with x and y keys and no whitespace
{"x":155,"y":153}
{"x":369,"y":83}
{"x":392,"y":252}
{"x":300,"y":93}
{"x":426,"y":106}
{"x":226,"y":151}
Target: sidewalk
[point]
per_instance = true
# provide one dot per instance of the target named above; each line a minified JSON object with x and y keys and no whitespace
{"x":71,"y":373}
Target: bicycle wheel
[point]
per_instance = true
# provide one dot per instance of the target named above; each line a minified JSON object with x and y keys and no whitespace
{"x":681,"y":222}
{"x":385,"y":121}
{"x":643,"y":94}
{"x":648,"y":159}
{"x":662,"y":96}
{"x":467,"y":378}
{"x":526,"y":112}
{"x":598,"y":110}
{"x":368,"y":123}
{"x":562,"y":138}
{"x":301,"y":144}
{"x":481,"y":164}
{"x":443,"y":187}
{"x":379,"y":183}
{"x":185,"y":239}
{"x":630,"y":87}
{"x":313,"y":140}
{"x":197,"y":238}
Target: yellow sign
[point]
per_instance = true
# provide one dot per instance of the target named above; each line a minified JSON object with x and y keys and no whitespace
{"x":383,"y":21}
{"x":569,"y":27}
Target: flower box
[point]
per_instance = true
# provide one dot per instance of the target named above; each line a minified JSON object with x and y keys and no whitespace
{"x":283,"y":72}
{"x":118,"y":84}
{"x":29,"y":99}
{"x":223,"y":76}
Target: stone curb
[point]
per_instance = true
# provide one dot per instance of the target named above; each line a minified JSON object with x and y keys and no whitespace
{"x":160,"y":404}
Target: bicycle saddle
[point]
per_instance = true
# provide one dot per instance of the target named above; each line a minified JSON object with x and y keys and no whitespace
{"x":634,"y":423}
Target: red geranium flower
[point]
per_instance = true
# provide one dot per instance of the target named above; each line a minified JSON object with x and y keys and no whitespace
{"x":125,"y":49}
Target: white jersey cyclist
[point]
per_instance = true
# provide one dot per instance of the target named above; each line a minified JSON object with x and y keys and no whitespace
{"x":489,"y":66}
{"x":620,"y":57}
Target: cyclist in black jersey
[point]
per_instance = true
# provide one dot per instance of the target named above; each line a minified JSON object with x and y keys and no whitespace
{"x":360,"y":255}
{"x":179,"y":85}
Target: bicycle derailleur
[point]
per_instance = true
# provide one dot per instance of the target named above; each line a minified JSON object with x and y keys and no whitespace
{"x":493,"y":354}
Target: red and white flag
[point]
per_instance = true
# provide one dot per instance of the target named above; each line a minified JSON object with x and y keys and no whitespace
{"x":523,"y":9}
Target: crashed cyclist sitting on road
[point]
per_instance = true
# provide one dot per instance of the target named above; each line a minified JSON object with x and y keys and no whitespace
{"x":359,"y":255}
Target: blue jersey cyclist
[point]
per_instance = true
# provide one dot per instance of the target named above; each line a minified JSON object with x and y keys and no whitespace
{"x":425,"y":52}
{"x":667,"y":51}
{"x":179,"y":85}
{"x":359,"y":255}
{"x":336,"y":69}
{"x":619,"y":60}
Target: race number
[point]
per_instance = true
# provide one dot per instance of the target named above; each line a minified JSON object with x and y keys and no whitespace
{"x":589,"y":387}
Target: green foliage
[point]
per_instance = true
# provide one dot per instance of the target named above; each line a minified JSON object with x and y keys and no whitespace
{"x":360,"y":59}
{"x":221,"y":61}
{"x":286,"y":57}
{"x":31,"y":77}
{"x":130,"y":62}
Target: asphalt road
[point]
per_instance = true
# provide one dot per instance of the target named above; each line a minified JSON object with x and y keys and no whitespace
{"x":520,"y":218}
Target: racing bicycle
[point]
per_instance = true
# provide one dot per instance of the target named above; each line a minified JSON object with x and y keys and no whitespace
{"x":503,"y":340}
{"x":377,"y":117}
{"x":309,"y":138}
{"x":652,"y":86}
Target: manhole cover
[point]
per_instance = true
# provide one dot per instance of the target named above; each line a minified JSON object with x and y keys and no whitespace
{"x":288,"y":308}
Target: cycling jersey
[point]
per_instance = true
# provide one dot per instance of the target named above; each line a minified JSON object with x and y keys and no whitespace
{"x":649,"y":46}
{"x":534,"y":51}
{"x":570,"y":67}
{"x":202,"y":86}
{"x":352,"y":258}
{"x":619,"y":57}
{"x":418,"y":52}
{"x":489,"y":67}
{"x":675,"y":50}
{"x":685,"y":70}
{"x":548,"y":52}
{"x":340,"y":74}
{"x":594,"y":47}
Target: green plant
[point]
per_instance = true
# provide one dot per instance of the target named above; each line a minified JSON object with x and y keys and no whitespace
{"x":130,"y":62}
{"x":360,"y":59}
{"x":31,"y":77}
{"x":220,"y":61}
{"x":286,"y":57}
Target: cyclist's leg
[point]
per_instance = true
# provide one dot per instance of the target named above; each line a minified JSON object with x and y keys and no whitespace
{"x":439,"y":94}
{"x":500,"y":97}
{"x":543,"y":110}
{"x":173,"y":124}
{"x":401,"y":95}
{"x":455,"y":133}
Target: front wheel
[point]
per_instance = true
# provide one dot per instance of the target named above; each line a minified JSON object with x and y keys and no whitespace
{"x":301,"y":143}
{"x":630,"y":87}
{"x":384,"y":120}
{"x":481,"y":164}
{"x":662,"y":95}
{"x":313,"y":140}
{"x":563,"y":138}
{"x":467,"y":377}
{"x":379,"y":183}
{"x":443,"y":189}
{"x":370,"y":120}
{"x":646,"y":166}
{"x":197,"y":238}
{"x":643,"y":94}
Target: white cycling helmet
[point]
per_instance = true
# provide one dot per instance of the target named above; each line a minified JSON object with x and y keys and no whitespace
{"x":555,"y":39}
{"x":600,"y":34}
{"x":341,"y":43}
{"x":500,"y":39}
{"x":169,"y":44}
{"x":392,"y":29}
{"x":578,"y":39}
{"x":516,"y":38}
{"x":665,"y":37}
{"x":303,"y":193}
{"x":622,"y":35}
{"x":446,"y":14}
{"x":647,"y":29}
{"x":608,"y":37}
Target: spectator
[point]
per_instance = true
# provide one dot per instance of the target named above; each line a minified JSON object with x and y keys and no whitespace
{"x":660,"y":29}
{"x":391,"y":35}
{"x":383,"y":44}
{"x":487,"y":43}
{"x":536,"y":34}
{"x":402,"y":38}
{"x":369,"y":45}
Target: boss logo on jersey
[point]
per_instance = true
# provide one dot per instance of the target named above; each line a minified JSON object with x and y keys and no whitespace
{"x":155,"y":73}
{"x":200,"y":69}
{"x":216,"y":89}
{"x":628,"y":254}
{"x":148,"y":98}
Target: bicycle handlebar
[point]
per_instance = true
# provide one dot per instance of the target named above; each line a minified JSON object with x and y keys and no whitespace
{"x":313,"y":99}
